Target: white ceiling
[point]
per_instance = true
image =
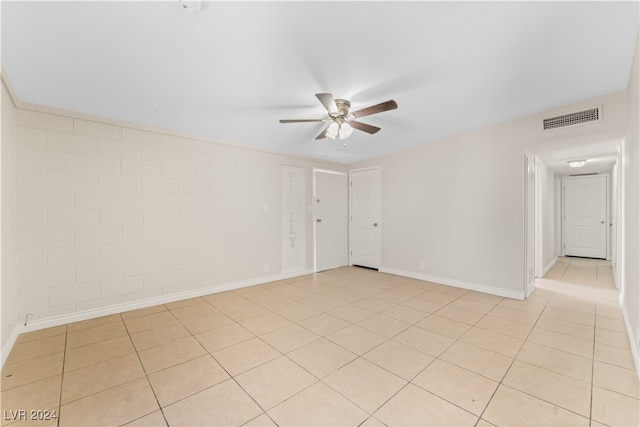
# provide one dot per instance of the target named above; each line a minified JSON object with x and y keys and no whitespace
{"x":231,"y":70}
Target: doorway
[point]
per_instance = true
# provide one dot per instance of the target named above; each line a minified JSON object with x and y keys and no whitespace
{"x":330,"y":225}
{"x":585,"y":216}
{"x":364,"y":208}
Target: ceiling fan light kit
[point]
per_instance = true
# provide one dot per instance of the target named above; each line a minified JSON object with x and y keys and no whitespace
{"x":342,"y":122}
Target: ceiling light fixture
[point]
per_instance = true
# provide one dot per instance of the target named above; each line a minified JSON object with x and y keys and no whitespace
{"x":576,"y":163}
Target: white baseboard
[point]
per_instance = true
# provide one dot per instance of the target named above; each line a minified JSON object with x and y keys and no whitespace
{"x":456,"y":283}
{"x":8,"y":346}
{"x":134,"y":305}
{"x":549,"y":266}
{"x":634,"y":342}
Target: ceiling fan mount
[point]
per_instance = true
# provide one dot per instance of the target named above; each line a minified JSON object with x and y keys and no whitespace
{"x":342,"y":121}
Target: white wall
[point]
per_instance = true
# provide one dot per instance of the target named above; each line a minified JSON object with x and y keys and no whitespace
{"x":547,"y":180}
{"x":630,"y":244}
{"x":8,"y":289}
{"x":111,"y":215}
{"x":457,"y":203}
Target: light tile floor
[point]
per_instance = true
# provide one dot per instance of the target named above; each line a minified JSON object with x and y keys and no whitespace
{"x":347,"y":347}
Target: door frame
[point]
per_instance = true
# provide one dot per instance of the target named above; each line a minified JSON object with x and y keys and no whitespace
{"x":607,"y":186}
{"x":314,"y":211}
{"x":381,"y":223}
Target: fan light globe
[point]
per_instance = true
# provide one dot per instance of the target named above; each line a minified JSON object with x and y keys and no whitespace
{"x":345,"y":130}
{"x":332,"y":131}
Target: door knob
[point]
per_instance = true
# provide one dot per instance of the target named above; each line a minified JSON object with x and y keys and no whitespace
{"x":375,"y":224}
{"x":601,"y":222}
{"x":318,"y":220}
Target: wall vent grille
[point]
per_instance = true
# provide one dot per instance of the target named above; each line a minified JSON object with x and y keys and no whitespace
{"x":572,"y":119}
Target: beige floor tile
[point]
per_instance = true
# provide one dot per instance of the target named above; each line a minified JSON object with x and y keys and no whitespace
{"x":225,"y":404}
{"x":91,"y":354}
{"x":610,"y":324}
{"x":402,"y":360}
{"x":558,"y":361}
{"x":198,"y":308}
{"x":473,"y":305}
{"x":482,"y":297}
{"x":41,"y":334}
{"x":613,"y":338}
{"x":94,"y":335}
{"x":505,"y":327}
{"x":374,"y":304}
{"x":103,"y":375}
{"x":365,"y":384}
{"x":351,"y":313}
{"x":224,"y":336}
{"x":439,"y":297}
{"x":356,"y":339}
{"x":424,"y":305}
{"x":261,"y":421}
{"x":289,"y":338}
{"x":460,"y":314}
{"x":184,"y":303}
{"x":29,"y":371}
{"x":151,"y":321}
{"x":614,"y":355}
{"x":170,"y":354}
{"x":573,"y":303}
{"x":549,"y":386}
{"x":463,"y":388}
{"x":157,"y":336}
{"x":372,"y":422}
{"x":393,"y":296}
{"x":493,"y":341}
{"x":265,"y":323}
{"x":143,"y":312}
{"x":243,"y":310}
{"x":570,"y":344}
{"x":533,"y":304}
{"x":275,"y":381}
{"x":615,"y":378}
{"x":188,"y":378}
{"x":37,"y":348}
{"x":425,"y":341}
{"x":413,"y":406}
{"x":321,"y":357}
{"x":154,"y":419}
{"x":246,"y":355}
{"x":615,"y":409}
{"x":298,"y":312}
{"x":450,"y":290}
{"x":324,"y":324}
{"x":569,"y":315}
{"x":514,"y":315}
{"x":443,"y":326}
{"x":510,"y":407}
{"x":43,"y":394}
{"x":318,"y":406}
{"x":206,"y":322}
{"x":115,"y":406}
{"x":484,"y":362}
{"x":92,"y":323}
{"x":405,"y":314}
{"x":566,"y":327}
{"x":383,"y":325}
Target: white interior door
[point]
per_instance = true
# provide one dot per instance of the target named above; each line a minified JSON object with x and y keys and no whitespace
{"x":585,"y":216}
{"x":330,"y":219}
{"x":365,"y":217}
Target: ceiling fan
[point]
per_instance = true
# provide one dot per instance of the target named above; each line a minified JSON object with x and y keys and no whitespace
{"x":342,"y":121}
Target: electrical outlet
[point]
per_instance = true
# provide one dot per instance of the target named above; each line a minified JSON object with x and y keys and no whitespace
{"x":422,"y":265}
{"x":266,"y":207}
{"x":266,"y":268}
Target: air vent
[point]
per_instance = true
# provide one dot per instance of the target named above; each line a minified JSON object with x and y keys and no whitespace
{"x":584,"y":174}
{"x":572,"y":119}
